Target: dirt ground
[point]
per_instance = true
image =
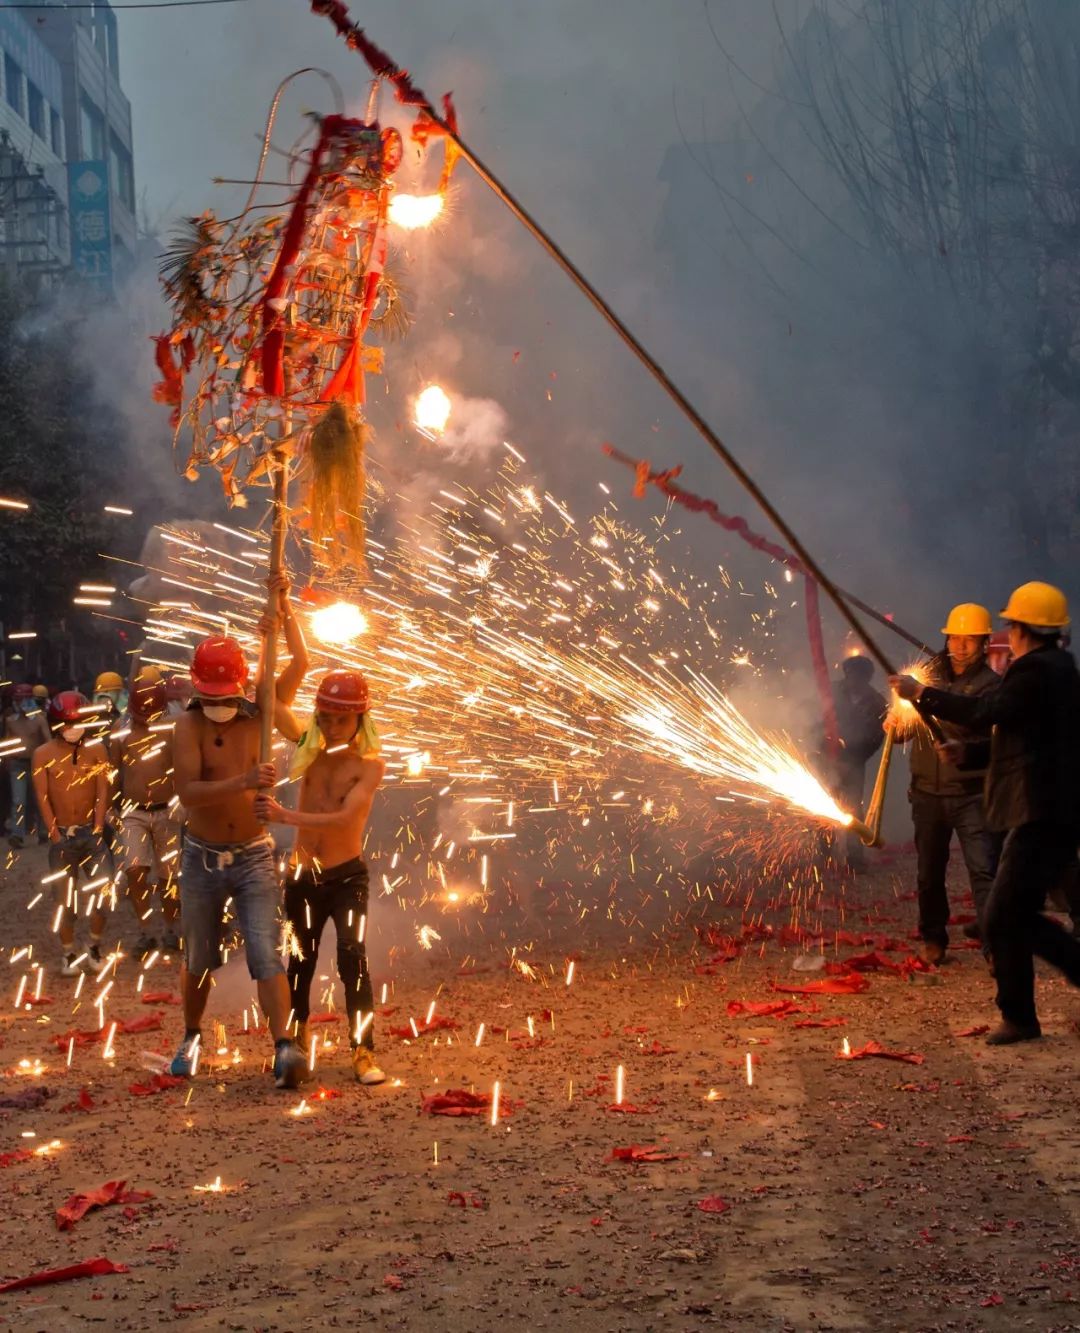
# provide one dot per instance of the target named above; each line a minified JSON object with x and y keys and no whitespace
{"x":844,"y":1194}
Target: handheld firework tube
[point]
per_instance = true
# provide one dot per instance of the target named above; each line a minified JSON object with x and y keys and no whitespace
{"x":869,"y":829}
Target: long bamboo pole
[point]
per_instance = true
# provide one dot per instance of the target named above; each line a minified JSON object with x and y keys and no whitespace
{"x":277,"y":566}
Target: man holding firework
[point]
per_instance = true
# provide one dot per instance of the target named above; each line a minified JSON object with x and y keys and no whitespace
{"x":1032,"y":795}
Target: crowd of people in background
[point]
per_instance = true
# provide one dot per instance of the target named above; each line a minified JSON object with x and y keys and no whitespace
{"x":153,"y":788}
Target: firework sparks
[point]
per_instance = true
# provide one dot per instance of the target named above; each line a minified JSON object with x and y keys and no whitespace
{"x":338,"y":624}
{"x":432,"y":410}
{"x":904,"y":718}
{"x":414,"y":211}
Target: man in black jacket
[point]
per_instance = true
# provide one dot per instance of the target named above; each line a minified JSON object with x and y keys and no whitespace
{"x":1032,"y":792}
{"x":946,"y":799}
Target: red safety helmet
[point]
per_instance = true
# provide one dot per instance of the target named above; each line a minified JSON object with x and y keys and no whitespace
{"x":218,"y":669}
{"x":148,"y":700}
{"x":343,"y":692}
{"x":22,"y":691}
{"x":69,"y":706}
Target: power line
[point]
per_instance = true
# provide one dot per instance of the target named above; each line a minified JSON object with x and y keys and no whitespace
{"x":144,"y":4}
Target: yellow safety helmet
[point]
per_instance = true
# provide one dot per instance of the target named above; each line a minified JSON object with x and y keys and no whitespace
{"x":968,"y":618}
{"x":148,"y":675}
{"x":41,"y":692}
{"x":1038,"y":604}
{"x":108,"y":680}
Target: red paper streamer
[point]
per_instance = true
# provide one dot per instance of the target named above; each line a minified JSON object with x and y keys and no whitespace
{"x":113,"y":1191}
{"x":640,"y":1152}
{"x":873,"y":1050}
{"x":849,"y":983}
{"x":87,"y":1268}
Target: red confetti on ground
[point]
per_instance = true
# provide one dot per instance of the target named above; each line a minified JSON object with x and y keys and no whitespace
{"x":979,"y":1030}
{"x":19,"y":1155}
{"x":762,"y":1009}
{"x":437,"y":1024}
{"x":84,"y":1103}
{"x":874,"y":1050}
{"x":459,"y":1102}
{"x":87,"y":1268}
{"x":820,"y":1023}
{"x":639,"y":1152}
{"x":458,"y":1200}
{"x":160,"y":997}
{"x":993,"y":1299}
{"x":157,"y":1083}
{"x":850,"y":983}
{"x":113,"y":1191}
{"x":324,"y":1018}
{"x":393,"y":1282}
{"x":713,"y":1204}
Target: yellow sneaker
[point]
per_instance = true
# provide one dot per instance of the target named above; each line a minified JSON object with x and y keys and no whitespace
{"x":365,"y":1068}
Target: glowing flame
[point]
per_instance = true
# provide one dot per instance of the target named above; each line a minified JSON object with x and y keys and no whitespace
{"x":413,"y":211}
{"x":339,"y":623}
{"x":904,"y":717}
{"x":416,"y":763}
{"x":427,"y":935}
{"x":432,"y":410}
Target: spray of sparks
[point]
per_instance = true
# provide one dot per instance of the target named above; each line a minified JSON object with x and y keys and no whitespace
{"x":904,"y":718}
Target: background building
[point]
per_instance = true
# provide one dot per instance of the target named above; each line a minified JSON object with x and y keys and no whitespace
{"x":67,"y":180}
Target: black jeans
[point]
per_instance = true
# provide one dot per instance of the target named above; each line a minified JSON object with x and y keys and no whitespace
{"x":936,"y":819}
{"x":1034,"y":858}
{"x":310,"y":901}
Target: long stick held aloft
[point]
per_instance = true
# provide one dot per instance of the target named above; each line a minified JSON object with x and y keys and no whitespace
{"x":407,"y":92}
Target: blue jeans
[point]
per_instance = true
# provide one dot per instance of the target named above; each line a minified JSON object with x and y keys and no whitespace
{"x":22,"y":795}
{"x":214,"y":875}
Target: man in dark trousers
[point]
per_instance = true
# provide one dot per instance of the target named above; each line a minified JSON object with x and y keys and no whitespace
{"x":860,"y":711}
{"x":946,"y":799}
{"x":1032,"y":794}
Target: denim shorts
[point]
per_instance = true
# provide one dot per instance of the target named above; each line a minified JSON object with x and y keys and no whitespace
{"x":211,"y":875}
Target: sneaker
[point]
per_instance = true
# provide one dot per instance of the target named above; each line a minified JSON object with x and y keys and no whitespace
{"x":290,"y":1066}
{"x":186,"y":1058}
{"x":70,"y":967}
{"x":93,"y":962}
{"x":933,"y":952}
{"x":145,"y":944}
{"x":1008,"y":1033}
{"x":365,"y":1068}
{"x":971,"y":931}
{"x":170,"y":942}
{"x":303,"y":1037}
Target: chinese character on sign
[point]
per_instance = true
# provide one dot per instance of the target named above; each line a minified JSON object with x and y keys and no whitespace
{"x":91,"y":227}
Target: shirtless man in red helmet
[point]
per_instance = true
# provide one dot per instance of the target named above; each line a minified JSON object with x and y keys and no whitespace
{"x":338,"y":758}
{"x":228,"y":854}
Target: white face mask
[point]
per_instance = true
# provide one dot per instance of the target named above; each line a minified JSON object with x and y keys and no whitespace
{"x":72,"y":734}
{"x":220,"y":712}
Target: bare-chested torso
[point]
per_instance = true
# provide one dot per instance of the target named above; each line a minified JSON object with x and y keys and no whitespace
{"x":71,"y":775}
{"x":325,"y":786}
{"x":143,"y":755}
{"x":225,"y":751}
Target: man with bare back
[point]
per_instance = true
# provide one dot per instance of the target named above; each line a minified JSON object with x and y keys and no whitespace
{"x":142,"y":751}
{"x":228,"y":854}
{"x":338,"y":757}
{"x":71,"y":782}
